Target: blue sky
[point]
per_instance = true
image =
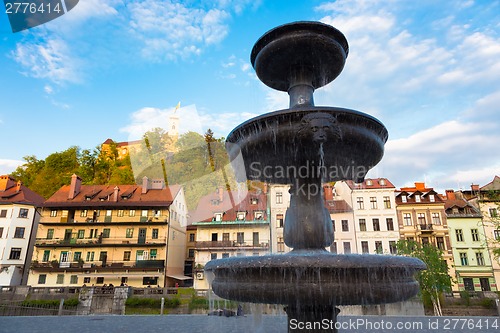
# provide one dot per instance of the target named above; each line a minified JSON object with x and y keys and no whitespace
{"x":429,"y":70}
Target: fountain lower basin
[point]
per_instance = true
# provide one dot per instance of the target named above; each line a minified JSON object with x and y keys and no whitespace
{"x":316,"y":277}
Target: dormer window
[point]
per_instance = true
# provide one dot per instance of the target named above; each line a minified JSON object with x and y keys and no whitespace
{"x":218,"y":217}
{"x":240,"y":216}
{"x":258,"y":215}
{"x":432,"y":198}
{"x":369,"y":182}
{"x":254,"y":201}
{"x":382,"y":182}
{"x":417,"y":197}
{"x":404,"y":198}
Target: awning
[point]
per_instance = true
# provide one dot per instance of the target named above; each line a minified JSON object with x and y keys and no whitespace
{"x":118,"y":275}
{"x":180,"y":277}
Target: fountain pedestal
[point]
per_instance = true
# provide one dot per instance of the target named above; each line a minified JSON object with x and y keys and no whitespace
{"x":306,"y":146}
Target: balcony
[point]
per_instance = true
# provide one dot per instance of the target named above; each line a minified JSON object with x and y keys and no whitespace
{"x":231,"y":244}
{"x":98,"y":265}
{"x":424,"y":228}
{"x":100,"y":241}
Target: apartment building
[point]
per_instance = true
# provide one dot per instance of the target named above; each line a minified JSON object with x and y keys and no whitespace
{"x":473,"y":267}
{"x":111,"y":234}
{"x":19,"y":216}
{"x":228,"y":226}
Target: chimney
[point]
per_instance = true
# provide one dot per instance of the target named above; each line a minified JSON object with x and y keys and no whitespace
{"x":328,"y":192}
{"x":145,"y":184}
{"x":6,"y":182}
{"x":220,"y":191}
{"x":265,"y":188}
{"x":18,"y":186}
{"x":74,"y":188}
{"x":474,"y":188}
{"x":450,"y":195}
{"x":116,"y":190}
{"x":420,"y":186}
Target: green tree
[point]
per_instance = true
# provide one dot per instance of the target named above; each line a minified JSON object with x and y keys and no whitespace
{"x":28,"y":172}
{"x":435,"y":279}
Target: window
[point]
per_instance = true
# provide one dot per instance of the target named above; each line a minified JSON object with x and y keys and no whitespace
{"x":425,"y":241}
{"x":90,"y":256}
{"x":100,"y":280}
{"x":152,"y":254}
{"x":373,"y":202}
{"x":50,"y":233}
{"x":157,"y":213}
{"x":73,"y":279}
{"x":225,"y":236}
{"x":218,"y":217}
{"x":19,"y":233}
{"x":60,"y":279}
{"x":463,"y":259}
{"x":126,"y":255}
{"x":362,"y":225}
{"x":213,"y":256}
{"x":417,"y":197}
{"x":440,"y":243}
{"x":404,"y":199}
{"x":105,"y":232}
{"x":468,"y":284}
{"x":345,"y":225}
{"x":3,"y":213}
{"x":333,"y":248}
{"x":86,"y":279}
{"x":392,"y":247}
{"x":360,"y":203}
{"x":333,"y":225}
{"x":240,"y":237}
{"x":390,"y":224}
{"x":258,"y":215}
{"x":120,"y":213}
{"x":421,"y":218}
{"x":387,"y":202}
{"x":240,"y":216}
{"x":378,"y":247}
{"x":214,"y":237}
{"x":435,"y":219}
{"x":376,"y":225}
{"x":23,"y":213}
{"x":53,"y":213}
{"x":129,"y":233}
{"x":496,"y":234}
{"x":279,"y":197}
{"x":46,"y":256}
{"x":154,"y":234}
{"x":225,"y":255}
{"x":150,"y":281}
{"x":407,"y":219}
{"x":475,"y":235}
{"x":192,"y":237}
{"x":364,"y":247}
{"x":493,"y":212}
{"x":281,"y":244}
{"x":279,"y":220}
{"x":1,"y":232}
{"x":347,"y":247}
{"x":191,"y":253}
{"x":459,"y":234}
{"x":432,"y":198}
{"x":83,"y":213}
{"x":480,"y":258}
{"x":15,"y":253}
{"x":255,"y":239}
{"x":131,"y":213}
{"x":42,"y":278}
{"x":254,"y":201}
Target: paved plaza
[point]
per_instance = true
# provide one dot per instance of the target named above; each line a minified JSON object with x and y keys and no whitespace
{"x":247,"y":324}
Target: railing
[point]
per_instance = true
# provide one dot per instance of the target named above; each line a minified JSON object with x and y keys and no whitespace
{"x":228,"y":243}
{"x":425,"y":227}
{"x":97,"y":241}
{"x":89,"y":265}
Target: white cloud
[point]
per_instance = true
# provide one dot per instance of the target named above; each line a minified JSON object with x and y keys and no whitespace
{"x":171,"y":30}
{"x":8,"y":166}
{"x":48,"y":58}
{"x":48,"y":89}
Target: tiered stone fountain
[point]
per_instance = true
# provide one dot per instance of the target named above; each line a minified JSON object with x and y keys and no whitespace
{"x":305,"y":146}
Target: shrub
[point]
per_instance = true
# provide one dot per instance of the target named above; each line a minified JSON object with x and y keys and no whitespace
{"x":137,"y":302}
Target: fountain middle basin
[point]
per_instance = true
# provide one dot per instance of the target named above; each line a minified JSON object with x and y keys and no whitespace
{"x":316,"y":277}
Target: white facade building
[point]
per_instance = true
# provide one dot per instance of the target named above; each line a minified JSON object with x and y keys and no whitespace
{"x":18,"y":224}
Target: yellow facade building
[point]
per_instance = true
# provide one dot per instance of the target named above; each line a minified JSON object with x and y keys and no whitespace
{"x":111,"y":234}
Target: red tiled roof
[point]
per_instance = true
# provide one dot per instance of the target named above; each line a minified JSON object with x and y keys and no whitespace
{"x":230,"y":205}
{"x":23,"y":195}
{"x":87,"y":196}
{"x":371,"y":183}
